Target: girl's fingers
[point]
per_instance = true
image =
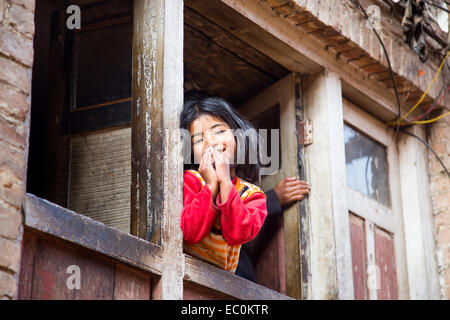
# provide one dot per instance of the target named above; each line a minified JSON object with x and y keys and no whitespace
{"x":296,"y":193}
{"x":297,"y":183}
{"x":297,"y":189}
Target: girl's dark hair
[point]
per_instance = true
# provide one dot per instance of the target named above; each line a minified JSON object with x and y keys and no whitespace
{"x":200,"y":104}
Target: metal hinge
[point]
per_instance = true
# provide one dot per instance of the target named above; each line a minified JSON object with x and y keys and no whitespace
{"x":306,"y":132}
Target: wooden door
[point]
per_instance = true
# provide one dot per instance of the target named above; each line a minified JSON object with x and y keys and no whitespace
{"x":373,"y":202}
{"x":278,"y":108}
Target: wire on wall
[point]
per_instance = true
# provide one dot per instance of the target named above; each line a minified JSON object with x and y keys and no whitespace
{"x":396,"y":121}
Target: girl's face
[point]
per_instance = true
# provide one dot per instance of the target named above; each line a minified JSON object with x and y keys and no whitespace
{"x":207,"y":131}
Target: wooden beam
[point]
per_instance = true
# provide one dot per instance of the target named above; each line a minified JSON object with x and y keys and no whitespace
{"x":331,"y":266}
{"x":256,"y":24}
{"x":57,"y":221}
{"x":208,"y":276}
{"x":417,"y":215}
{"x":157,"y":162}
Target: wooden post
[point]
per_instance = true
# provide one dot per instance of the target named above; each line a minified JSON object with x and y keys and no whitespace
{"x":417,"y":216}
{"x":331,"y":265}
{"x":157,"y":163}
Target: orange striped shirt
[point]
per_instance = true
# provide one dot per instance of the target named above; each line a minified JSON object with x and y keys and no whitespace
{"x":213,"y":247}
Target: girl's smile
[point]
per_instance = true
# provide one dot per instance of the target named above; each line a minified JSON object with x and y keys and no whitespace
{"x":210,"y":132}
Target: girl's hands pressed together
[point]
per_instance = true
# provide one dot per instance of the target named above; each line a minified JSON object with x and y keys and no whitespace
{"x":223,"y":173}
{"x":221,"y":165}
{"x":208,"y":173}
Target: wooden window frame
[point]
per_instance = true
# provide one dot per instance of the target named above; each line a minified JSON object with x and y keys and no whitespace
{"x":99,"y":116}
{"x":374,"y":213}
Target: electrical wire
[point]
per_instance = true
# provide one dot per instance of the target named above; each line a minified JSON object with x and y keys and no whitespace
{"x":441,"y":96}
{"x":399,"y":118}
{"x":437,"y":6}
{"x":430,"y":148}
{"x":396,"y":122}
{"x":432,"y":120}
{"x":387,"y":59}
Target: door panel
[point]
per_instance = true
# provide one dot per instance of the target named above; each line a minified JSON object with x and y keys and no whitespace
{"x":374,"y":201}
{"x":283,"y":234}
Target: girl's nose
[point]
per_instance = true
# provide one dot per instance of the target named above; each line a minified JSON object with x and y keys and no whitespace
{"x":211,"y":141}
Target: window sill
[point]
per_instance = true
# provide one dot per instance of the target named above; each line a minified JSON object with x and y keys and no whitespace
{"x":209,"y":276}
{"x":60,"y":222}
{"x":49,"y":218}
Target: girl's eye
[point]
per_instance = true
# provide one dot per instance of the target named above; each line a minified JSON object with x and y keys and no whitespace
{"x":220,"y":131}
{"x":197,"y":141}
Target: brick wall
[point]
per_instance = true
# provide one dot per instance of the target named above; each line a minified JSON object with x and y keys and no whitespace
{"x":440,"y":190}
{"x":16,"y":59}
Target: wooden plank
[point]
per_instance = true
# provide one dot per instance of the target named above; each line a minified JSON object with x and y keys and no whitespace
{"x":49,"y":218}
{"x":331,"y":265}
{"x":359,"y":265}
{"x":157,"y":159}
{"x":256,"y":24}
{"x":27,"y":265}
{"x":229,"y":19}
{"x":146,"y":121}
{"x":52,"y":258}
{"x":131,"y":284}
{"x":371,"y":263}
{"x":416,"y":216}
{"x":115,"y":115}
{"x":97,"y":276}
{"x":304,"y":230}
{"x":57,"y":143}
{"x":218,"y":70}
{"x":208,"y":276}
{"x":385,"y":261}
{"x":268,"y":257}
{"x":192,"y":291}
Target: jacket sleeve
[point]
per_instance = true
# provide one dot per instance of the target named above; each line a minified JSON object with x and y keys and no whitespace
{"x":241,"y":220}
{"x":199,"y":211}
{"x":273,"y":204}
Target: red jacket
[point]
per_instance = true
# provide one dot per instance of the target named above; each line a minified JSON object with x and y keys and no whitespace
{"x":240,"y":219}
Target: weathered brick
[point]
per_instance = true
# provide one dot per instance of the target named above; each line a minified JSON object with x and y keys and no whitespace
{"x":13,"y":103}
{"x":17,"y":46}
{"x":442,"y":219}
{"x":15,"y":74}
{"x":8,"y":133}
{"x":2,"y":8}
{"x":443,"y":236}
{"x":12,"y":190}
{"x":22,"y":19}
{"x":440,"y":131}
{"x":29,"y":4}
{"x":440,"y":146}
{"x":8,"y":285}
{"x":10,"y":222}
{"x":10,"y":257}
{"x":440,"y":201}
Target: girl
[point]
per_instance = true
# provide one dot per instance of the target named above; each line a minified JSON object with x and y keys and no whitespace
{"x":221,"y":210}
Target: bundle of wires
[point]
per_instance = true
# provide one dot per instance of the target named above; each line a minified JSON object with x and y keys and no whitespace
{"x":397,"y":122}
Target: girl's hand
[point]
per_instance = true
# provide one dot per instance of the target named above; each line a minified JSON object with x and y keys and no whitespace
{"x":208,"y":173}
{"x":223,"y":174}
{"x":290,"y":189}
{"x":222,"y":166}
